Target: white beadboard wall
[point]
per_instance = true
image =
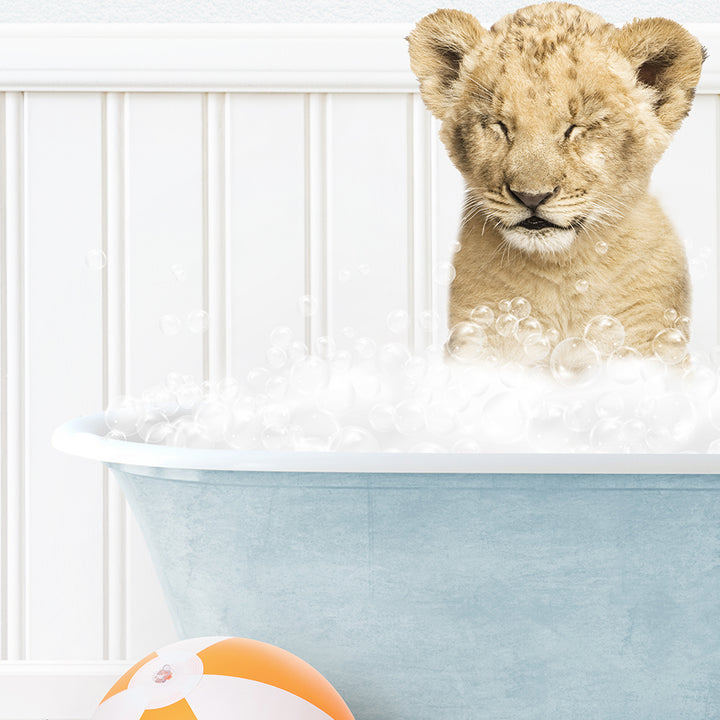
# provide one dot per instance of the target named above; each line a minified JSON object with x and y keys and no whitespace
{"x":229,"y":169}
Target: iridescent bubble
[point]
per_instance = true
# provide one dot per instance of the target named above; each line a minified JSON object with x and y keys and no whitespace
{"x":170,"y":324}
{"x":601,"y":247}
{"x":308,"y":305}
{"x":355,"y":439}
{"x":310,"y":374}
{"x":574,"y":362}
{"x":582,"y":286}
{"x":605,"y":333}
{"x":281,"y":336}
{"x":520,"y":308}
{"x":506,"y":325}
{"x":670,"y":346}
{"x":398,"y":321}
{"x":670,"y":316}
{"x":198,"y":321}
{"x":444,"y":273}
{"x":95,"y":259}
{"x":483,"y":316}
{"x":466,"y":342}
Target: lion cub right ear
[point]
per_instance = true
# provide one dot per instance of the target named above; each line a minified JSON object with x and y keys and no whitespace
{"x":438,"y":45}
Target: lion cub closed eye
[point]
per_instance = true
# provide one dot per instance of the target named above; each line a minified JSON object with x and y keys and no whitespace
{"x":556,"y":120}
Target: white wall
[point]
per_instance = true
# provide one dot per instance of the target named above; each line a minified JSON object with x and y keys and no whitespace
{"x":323,"y":11}
{"x":268,"y":164}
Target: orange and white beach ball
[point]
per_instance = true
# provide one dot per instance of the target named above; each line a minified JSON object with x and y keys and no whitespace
{"x":222,"y":678}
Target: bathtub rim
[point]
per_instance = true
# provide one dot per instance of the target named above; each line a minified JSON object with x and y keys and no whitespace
{"x":85,"y":437}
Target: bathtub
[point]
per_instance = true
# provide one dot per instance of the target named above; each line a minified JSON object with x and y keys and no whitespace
{"x":446,"y":587}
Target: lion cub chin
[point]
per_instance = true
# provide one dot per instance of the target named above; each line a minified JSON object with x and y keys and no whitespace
{"x":556,"y":119}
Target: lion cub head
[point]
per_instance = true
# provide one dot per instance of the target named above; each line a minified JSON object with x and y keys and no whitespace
{"x":554,"y":117}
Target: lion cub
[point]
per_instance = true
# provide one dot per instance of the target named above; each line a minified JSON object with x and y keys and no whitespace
{"x":556,"y":119}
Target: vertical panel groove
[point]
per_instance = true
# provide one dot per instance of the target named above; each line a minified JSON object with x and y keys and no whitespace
{"x":432,"y":142}
{"x":215,"y":234}
{"x":114,"y":351}
{"x":317,"y":188}
{"x":3,"y":392}
{"x":15,"y":464}
{"x":411,"y":225}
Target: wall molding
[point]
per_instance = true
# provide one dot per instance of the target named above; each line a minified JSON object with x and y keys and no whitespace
{"x":229,"y":58}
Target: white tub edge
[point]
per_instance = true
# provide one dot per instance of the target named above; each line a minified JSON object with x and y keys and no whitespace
{"x":84,"y":437}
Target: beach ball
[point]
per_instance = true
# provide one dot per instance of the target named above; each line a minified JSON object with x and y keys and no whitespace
{"x":222,"y":678}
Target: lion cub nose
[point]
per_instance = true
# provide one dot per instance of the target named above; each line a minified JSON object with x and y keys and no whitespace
{"x":531,"y":200}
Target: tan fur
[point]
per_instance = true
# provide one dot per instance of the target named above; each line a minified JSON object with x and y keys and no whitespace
{"x":508,"y":99}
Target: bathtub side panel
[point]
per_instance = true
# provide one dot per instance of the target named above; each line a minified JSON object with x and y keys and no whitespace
{"x":528,"y":600}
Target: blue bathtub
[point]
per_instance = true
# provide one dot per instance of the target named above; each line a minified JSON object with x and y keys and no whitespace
{"x":446,"y":587}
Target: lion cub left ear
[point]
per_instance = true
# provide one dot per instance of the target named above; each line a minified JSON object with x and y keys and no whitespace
{"x":439,"y":44}
{"x":667,"y":58}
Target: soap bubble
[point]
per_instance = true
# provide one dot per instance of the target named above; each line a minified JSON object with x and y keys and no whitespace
{"x":342,"y":361}
{"x":547,"y":431}
{"x":632,"y":436}
{"x":297,"y":350}
{"x":439,"y":419}
{"x":624,"y":365}
{"x":190,"y":434}
{"x":574,"y":362}
{"x":605,"y":333}
{"x":382,"y":417}
{"x":355,"y":439}
{"x":444,"y":273}
{"x":699,"y":381}
{"x":409,"y":417}
{"x":170,"y":324}
{"x":483,"y":316}
{"x":504,"y":306}
{"x":605,"y":435}
{"x":275,"y":438}
{"x":526,"y":327}
{"x":257,"y":378}
{"x":393,"y":357}
{"x":338,"y":396}
{"x":520,"y":308}
{"x":122,"y":415}
{"x":670,"y":316}
{"x":188,"y":394}
{"x":513,"y":374}
{"x":610,"y":405}
{"x":504,"y":418}
{"x":198,"y":321}
{"x":276,"y":387}
{"x":95,"y":259}
{"x":579,"y":414}
{"x":244,"y":432}
{"x":281,"y":336}
{"x":312,"y":429}
{"x":714,"y":410}
{"x":398,"y":321}
{"x":116,"y":435}
{"x":536,"y":347}
{"x":428,"y":320}
{"x":365,"y":347}
{"x":670,"y":345}
{"x":307,"y":305}
{"x":310,"y":374}
{"x":466,"y":342}
{"x":506,"y":325}
{"x":344,"y":275}
{"x":146,"y":420}
{"x":582,"y":286}
{"x":683,"y":325}
{"x":275,"y":414}
{"x":324,"y":347}
{"x":276,"y":357}
{"x":670,"y":419}
{"x":213,"y":416}
{"x":601,"y":247}
{"x":553,"y":336}
{"x":714,"y":447}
